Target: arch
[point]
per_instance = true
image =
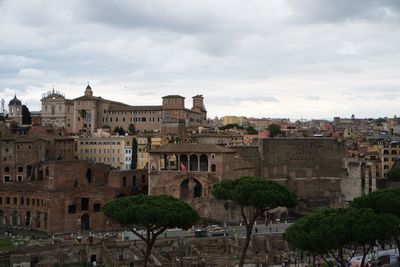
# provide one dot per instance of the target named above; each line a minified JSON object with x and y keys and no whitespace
{"x":45,"y":218}
{"x":164,"y":162}
{"x":213,"y":168}
{"x":89,"y":175}
{"x":28,"y":218}
{"x":183,"y":159}
{"x":14,"y":218}
{"x":194,"y":163}
{"x":2,"y":218}
{"x":37,"y":219}
{"x":204,"y":163}
{"x":85,"y":223}
{"x":173,"y":162}
{"x":190,"y":188}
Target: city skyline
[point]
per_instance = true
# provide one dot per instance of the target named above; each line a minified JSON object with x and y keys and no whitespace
{"x":290,"y":59}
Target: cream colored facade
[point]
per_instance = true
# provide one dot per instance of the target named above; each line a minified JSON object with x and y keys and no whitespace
{"x":114,"y":150}
{"x":389,"y":154}
{"x":57,"y":111}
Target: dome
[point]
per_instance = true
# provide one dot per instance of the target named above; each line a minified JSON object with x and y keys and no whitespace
{"x":15,"y":102}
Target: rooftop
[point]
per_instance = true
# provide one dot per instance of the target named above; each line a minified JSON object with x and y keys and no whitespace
{"x":191,"y":148}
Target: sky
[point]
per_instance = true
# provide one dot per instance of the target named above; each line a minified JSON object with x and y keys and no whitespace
{"x":295,"y":59}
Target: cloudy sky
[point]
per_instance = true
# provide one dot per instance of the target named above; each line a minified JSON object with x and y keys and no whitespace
{"x":275,"y":58}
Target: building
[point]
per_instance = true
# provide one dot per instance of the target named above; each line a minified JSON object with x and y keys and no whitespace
{"x":57,"y":111}
{"x":85,"y":114}
{"x":66,"y":196}
{"x":115,"y":151}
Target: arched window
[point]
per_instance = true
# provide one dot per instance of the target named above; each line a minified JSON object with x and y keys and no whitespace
{"x":204,"y":163}
{"x":89,"y":175}
{"x":213,"y":168}
{"x":194,"y":163}
{"x":183,"y":163}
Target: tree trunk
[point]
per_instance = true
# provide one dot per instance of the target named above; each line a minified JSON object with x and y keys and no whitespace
{"x":396,"y":239}
{"x":149,"y":246}
{"x":249,"y":229}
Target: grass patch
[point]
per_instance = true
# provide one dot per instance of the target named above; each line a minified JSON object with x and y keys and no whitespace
{"x":5,"y":244}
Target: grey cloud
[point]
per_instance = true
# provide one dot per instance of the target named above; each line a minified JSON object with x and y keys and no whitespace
{"x":342,"y":10}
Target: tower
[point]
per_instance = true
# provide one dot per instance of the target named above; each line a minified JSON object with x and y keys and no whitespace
{"x":88,"y":91}
{"x":198,"y":107}
{"x":15,"y":110}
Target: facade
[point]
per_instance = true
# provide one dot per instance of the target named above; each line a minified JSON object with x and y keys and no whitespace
{"x":57,"y":110}
{"x":55,"y":201}
{"x":389,"y":154}
{"x":18,"y":156}
{"x":187,"y":171}
{"x":115,"y":151}
{"x":85,"y":114}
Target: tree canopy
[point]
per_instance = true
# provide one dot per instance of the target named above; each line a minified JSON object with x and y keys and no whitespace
{"x":382,"y":202}
{"x":154,"y":214}
{"x":26,"y":115}
{"x":254,"y":196}
{"x":119,"y":130}
{"x":335,"y":231}
{"x":394,"y":173}
{"x":274,"y":130}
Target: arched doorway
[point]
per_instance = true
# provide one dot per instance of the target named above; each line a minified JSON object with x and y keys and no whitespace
{"x":2,"y":218}
{"x":28,"y":218}
{"x":190,"y":188}
{"x":204,"y":163}
{"x":85,"y":222}
{"x":14,"y":218}
{"x":89,"y":175}
{"x":194,"y":163}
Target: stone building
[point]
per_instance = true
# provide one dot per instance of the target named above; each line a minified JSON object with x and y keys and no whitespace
{"x":66,"y":196}
{"x":316,"y":169}
{"x":87,"y":113}
{"x":188,"y":171}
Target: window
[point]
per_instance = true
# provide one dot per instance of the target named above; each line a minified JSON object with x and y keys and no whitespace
{"x":124,"y":181}
{"x":21,"y":201}
{"x":71,"y":209}
{"x":96,"y":207}
{"x":7,"y":169}
{"x":7,"y":179}
{"x":28,"y":202}
{"x":19,"y":178}
{"x":8,"y":200}
{"x":1,"y":200}
{"x":20,"y":169}
{"x":84,"y":203}
{"x":133,"y":180}
{"x":143,"y":179}
{"x":15,"y":201}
